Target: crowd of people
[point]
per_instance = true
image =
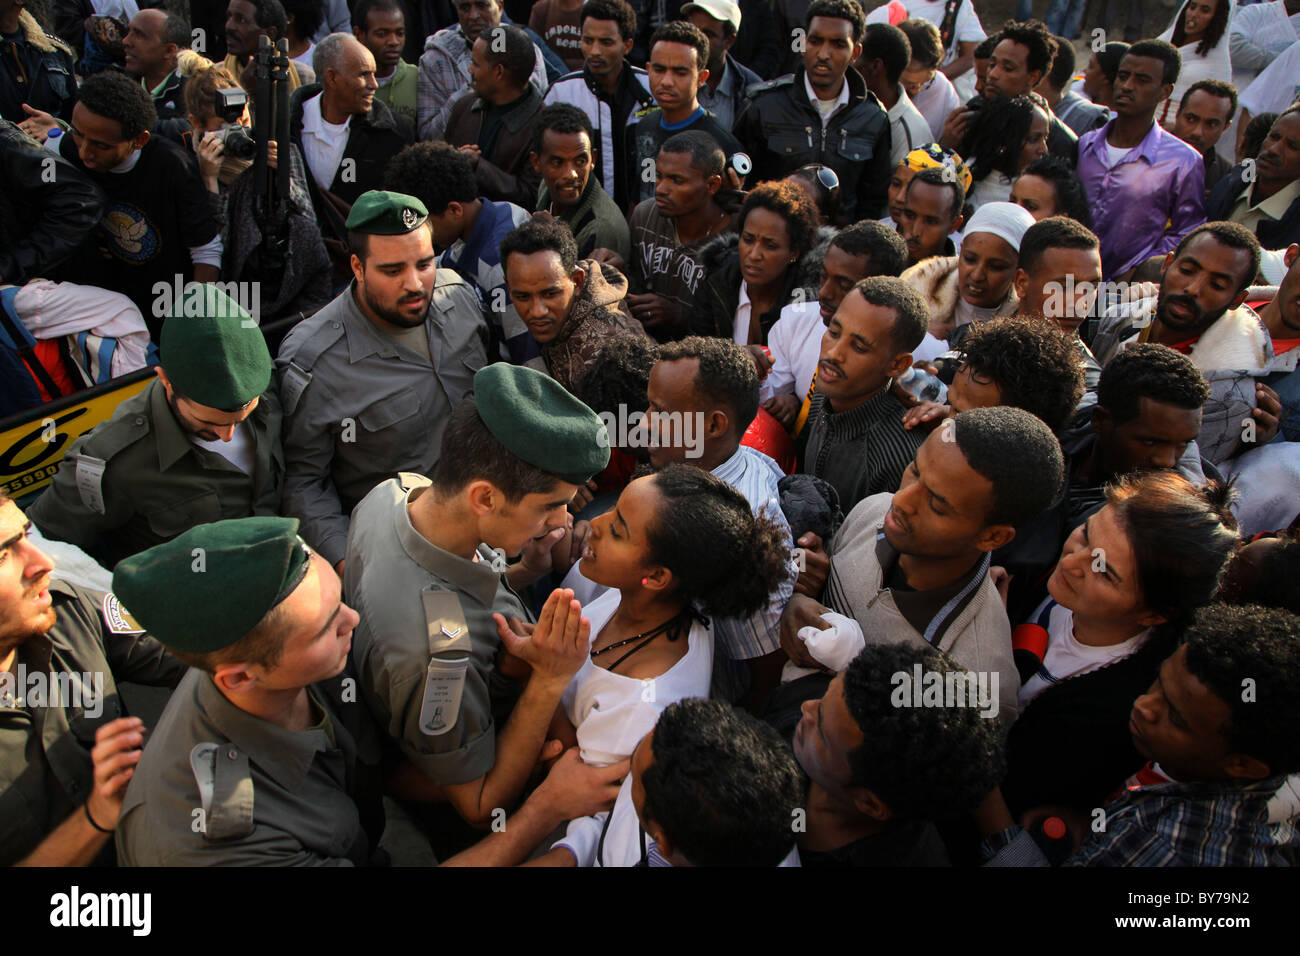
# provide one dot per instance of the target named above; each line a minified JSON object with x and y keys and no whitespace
{"x":730,"y":432}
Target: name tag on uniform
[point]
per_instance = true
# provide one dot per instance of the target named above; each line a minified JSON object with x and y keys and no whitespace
{"x":449,"y":647}
{"x":90,"y":477}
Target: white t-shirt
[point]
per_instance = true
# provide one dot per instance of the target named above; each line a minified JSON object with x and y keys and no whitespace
{"x":795,"y":341}
{"x":740,"y":330}
{"x":826,"y":107}
{"x":1115,"y":153}
{"x":1277,"y":86}
{"x":323,"y":143}
{"x":909,"y":128}
{"x":239,"y":451}
{"x":936,"y":100}
{"x":1066,"y":657}
{"x":967,"y":29}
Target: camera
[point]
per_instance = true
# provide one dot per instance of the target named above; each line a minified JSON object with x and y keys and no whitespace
{"x":229,"y":104}
{"x":237,"y":141}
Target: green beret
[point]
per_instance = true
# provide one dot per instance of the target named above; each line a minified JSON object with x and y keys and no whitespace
{"x":209,"y":587}
{"x":212,"y":350}
{"x":538,"y":420}
{"x":380,"y":213}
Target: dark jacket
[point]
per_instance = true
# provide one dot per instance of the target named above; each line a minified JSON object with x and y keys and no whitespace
{"x":1071,"y":745}
{"x":372,"y":141}
{"x":782,"y":131}
{"x":47,"y":61}
{"x":43,"y":218}
{"x":173,"y":118}
{"x":505,"y":174}
{"x":720,"y":292}
{"x":745,"y":79}
{"x":1271,"y":235}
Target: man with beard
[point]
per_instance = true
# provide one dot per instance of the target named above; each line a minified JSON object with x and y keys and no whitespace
{"x":65,"y":759}
{"x":369,"y":380}
{"x":200,"y":443}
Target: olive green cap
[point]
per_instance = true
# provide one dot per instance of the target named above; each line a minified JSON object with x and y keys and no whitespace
{"x":538,"y":420}
{"x":380,"y":213}
{"x":212,"y":350}
{"x":209,"y":587}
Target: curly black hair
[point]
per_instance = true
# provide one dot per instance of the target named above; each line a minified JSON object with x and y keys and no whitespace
{"x":911,"y":315}
{"x":270,"y":15}
{"x":1228,"y":645}
{"x":116,"y":96}
{"x":726,"y":374}
{"x":437,"y":174}
{"x":362,"y":9}
{"x":790,"y":203}
{"x":1071,"y":196}
{"x":1256,"y":131}
{"x":617,"y":10}
{"x":1033,"y":363}
{"x":541,"y":235}
{"x":1019,"y":456}
{"x":1054,"y":232}
{"x":1161,"y":50}
{"x":925,"y":41}
{"x":1181,"y":537}
{"x":619,"y":374}
{"x":724,"y":559}
{"x":984,"y":50}
{"x":1034,"y":36}
{"x":561,"y":118}
{"x":706,"y":155}
{"x":516,"y":55}
{"x":687,"y":34}
{"x":1275,"y":575}
{"x":944,"y":179}
{"x":1064,"y":61}
{"x":924,"y":763}
{"x":1148,"y":370}
{"x":307,"y":16}
{"x":1214,"y":30}
{"x":890,"y":46}
{"x":849,"y":10}
{"x":993,"y":139}
{"x":1216,"y":88}
{"x":884,"y":248}
{"x":723,"y":785}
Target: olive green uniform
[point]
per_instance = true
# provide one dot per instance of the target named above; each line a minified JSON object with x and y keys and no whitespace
{"x":219,"y":787}
{"x":155,"y":482}
{"x":390,"y":569}
{"x":45,"y":738}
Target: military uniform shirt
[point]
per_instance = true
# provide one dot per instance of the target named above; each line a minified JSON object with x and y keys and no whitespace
{"x":275,"y":797}
{"x":389,"y":564}
{"x":46,"y":737}
{"x":359,"y":407}
{"x":156,"y":483}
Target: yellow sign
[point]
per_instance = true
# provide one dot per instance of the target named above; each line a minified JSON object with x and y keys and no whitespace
{"x":30,"y":453}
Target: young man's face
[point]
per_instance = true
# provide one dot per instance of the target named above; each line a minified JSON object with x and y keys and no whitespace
{"x":1009,"y":73}
{"x":915,"y":77}
{"x":718,"y":40}
{"x":673,"y":398}
{"x":675,"y":76}
{"x":1201,"y":120}
{"x":482,"y":74}
{"x":1036,"y":195}
{"x":318,"y":632}
{"x":828,"y":51}
{"x":1155,"y":439}
{"x":477,"y":15}
{"x":565,"y":165}
{"x":511,"y":525}
{"x":1201,"y":283}
{"x":1044,"y":291}
{"x":841,"y":271}
{"x":395,"y":281}
{"x":825,"y":737}
{"x":971,"y":389}
{"x":942,"y":504}
{"x":384,"y":36}
{"x":25,"y":605}
{"x":143,"y":44}
{"x":99,"y":140}
{"x":680,"y":188}
{"x":1094,"y":78}
{"x":1097,"y":573}
{"x":202,"y":421}
{"x":1140,"y":85}
{"x":242,"y":29}
{"x":603,"y":47}
{"x":1279,"y":157}
{"x":927,"y":219}
{"x":542,"y":291}
{"x":858,"y":353}
{"x":1179,"y":724}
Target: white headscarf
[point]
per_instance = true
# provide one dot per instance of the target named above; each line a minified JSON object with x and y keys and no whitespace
{"x":1006,"y":220}
{"x":1214,"y":65}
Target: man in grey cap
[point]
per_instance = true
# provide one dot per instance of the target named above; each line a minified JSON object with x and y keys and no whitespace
{"x":424,"y":570}
{"x":368,"y":381}
{"x":200,"y":443}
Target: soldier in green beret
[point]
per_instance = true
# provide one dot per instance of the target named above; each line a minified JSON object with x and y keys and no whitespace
{"x":426,"y":569}
{"x":369,"y":381}
{"x":200,"y":443}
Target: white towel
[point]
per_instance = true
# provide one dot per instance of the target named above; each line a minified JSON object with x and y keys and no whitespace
{"x":834,"y":647}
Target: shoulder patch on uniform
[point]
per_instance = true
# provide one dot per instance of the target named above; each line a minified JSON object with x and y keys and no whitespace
{"x":293,"y":382}
{"x":89,"y":472}
{"x":225,"y":789}
{"x":117,"y":618}
{"x":644,"y":111}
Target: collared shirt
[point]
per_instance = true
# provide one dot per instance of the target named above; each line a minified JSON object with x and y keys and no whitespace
{"x":1210,"y":823}
{"x":861,"y":452}
{"x":389,"y":567}
{"x":1146,"y":203}
{"x":360,"y":408}
{"x":720,"y":102}
{"x":323,"y":143}
{"x":1273,"y":208}
{"x":908,"y":127}
{"x":740,"y":331}
{"x":156,"y":483}
{"x":45,"y":743}
{"x":820,"y":104}
{"x":265,"y":795}
{"x":936,"y":100}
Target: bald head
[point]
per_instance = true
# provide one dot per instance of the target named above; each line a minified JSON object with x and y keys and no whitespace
{"x":346,"y":71}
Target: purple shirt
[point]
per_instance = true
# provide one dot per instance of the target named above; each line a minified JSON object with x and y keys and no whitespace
{"x":1147,"y":202}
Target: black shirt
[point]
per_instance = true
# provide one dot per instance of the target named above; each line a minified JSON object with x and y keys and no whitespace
{"x":907,"y":843}
{"x":646,"y":136}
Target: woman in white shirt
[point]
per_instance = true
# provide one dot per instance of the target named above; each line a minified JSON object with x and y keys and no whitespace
{"x":1003,"y":138}
{"x":1201,"y":31}
{"x":679,"y":545}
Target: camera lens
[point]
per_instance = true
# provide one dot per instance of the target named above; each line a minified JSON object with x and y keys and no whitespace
{"x":741,"y":163}
{"x":238,"y":142}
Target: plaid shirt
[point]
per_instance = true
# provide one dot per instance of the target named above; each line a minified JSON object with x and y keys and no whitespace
{"x":444,"y":78}
{"x":1216,"y":823}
